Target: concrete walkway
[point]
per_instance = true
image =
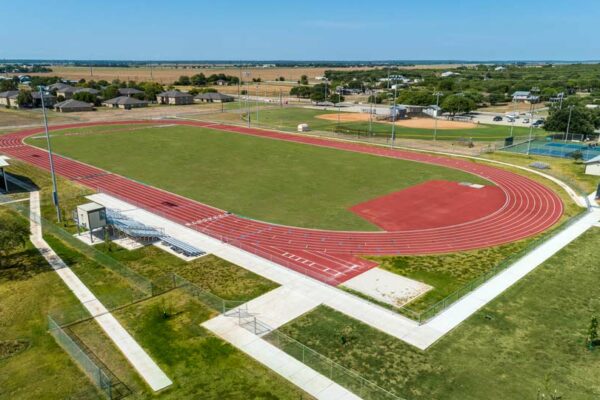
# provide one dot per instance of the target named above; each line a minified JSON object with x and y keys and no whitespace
{"x":311,"y":381}
{"x":299,"y":294}
{"x":138,"y":358}
{"x":282,"y":308}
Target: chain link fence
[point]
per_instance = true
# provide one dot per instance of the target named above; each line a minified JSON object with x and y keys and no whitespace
{"x":97,"y":375}
{"x":343,"y":376}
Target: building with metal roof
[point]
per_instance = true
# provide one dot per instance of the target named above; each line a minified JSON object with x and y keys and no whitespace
{"x":124,"y":102}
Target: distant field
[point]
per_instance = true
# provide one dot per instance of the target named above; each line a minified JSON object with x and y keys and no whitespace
{"x":289,"y":118}
{"x":169,"y":74}
{"x":275,"y":181}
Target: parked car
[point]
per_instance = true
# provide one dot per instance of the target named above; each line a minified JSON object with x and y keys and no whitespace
{"x":539,"y":122}
{"x":526,"y":120}
{"x":497,"y":118}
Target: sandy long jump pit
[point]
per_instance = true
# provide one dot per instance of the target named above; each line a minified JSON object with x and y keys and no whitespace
{"x":417,"y":123}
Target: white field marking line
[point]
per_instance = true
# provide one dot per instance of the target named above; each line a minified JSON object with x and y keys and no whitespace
{"x":138,"y":358}
{"x":393,"y":324}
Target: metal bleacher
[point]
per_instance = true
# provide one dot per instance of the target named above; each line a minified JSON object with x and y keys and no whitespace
{"x":182,"y":247}
{"x":137,"y":230}
{"x":131,"y":227}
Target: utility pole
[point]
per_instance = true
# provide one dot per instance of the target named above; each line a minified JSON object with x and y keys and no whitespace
{"x":51,"y":159}
{"x":531,"y":110}
{"x":435,"y":117}
{"x":512,"y":126}
{"x":257,"y":106}
{"x":372,"y":97}
{"x":569,"y":121}
{"x":394,"y":110}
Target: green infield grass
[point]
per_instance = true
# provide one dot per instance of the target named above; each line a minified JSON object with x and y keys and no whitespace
{"x":276,"y":181}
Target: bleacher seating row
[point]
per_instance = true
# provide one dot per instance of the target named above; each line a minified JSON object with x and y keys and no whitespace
{"x":182,"y":247}
{"x":138,"y":230}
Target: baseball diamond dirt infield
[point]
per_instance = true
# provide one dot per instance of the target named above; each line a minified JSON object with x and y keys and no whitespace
{"x":330,"y":256}
{"x":417,"y":123}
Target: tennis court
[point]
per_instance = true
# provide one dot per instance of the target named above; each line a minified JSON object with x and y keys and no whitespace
{"x":555,"y":149}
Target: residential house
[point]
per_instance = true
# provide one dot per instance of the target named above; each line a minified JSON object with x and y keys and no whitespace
{"x":6,"y":97}
{"x":72,"y":105}
{"x":174,"y":97}
{"x":124,"y":102}
{"x":213,"y":98}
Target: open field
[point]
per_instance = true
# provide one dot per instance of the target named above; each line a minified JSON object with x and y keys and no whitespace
{"x":530,"y":340}
{"x":169,"y":74}
{"x":285,"y":183}
{"x":200,"y":364}
{"x":29,"y":290}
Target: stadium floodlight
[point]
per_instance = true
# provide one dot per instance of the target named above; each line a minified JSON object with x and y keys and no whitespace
{"x":514,"y":117}
{"x":437,"y":105}
{"x":571,"y":107}
{"x":531,"y":111}
{"x":51,"y":159}
{"x":394,"y":111}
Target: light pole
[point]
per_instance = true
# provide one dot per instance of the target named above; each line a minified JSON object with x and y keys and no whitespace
{"x":257,"y":106}
{"x":437,"y":107}
{"x":512,"y":126}
{"x":394,"y":110}
{"x":51,"y":159}
{"x":531,"y":110}
{"x":338,"y":104}
{"x":372,"y":97}
{"x":569,"y":121}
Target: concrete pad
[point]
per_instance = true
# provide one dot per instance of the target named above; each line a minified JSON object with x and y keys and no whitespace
{"x":387,"y":287}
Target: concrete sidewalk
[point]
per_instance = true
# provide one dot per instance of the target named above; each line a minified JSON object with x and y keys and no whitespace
{"x":277,"y":360}
{"x":139,"y":359}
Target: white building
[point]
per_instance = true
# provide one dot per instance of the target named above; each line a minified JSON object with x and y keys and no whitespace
{"x":592,"y":166}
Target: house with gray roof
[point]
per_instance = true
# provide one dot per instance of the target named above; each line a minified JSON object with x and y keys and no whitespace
{"x":129,"y":91}
{"x":72,"y":105}
{"x":213,"y":98}
{"x":124,"y":102}
{"x":49,"y":100}
{"x":174,"y":97}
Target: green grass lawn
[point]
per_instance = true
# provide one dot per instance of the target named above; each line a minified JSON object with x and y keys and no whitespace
{"x":211,"y":273}
{"x":289,"y":118}
{"x":29,"y":290}
{"x":201,"y":365}
{"x":532,"y":338}
{"x":275,"y":181}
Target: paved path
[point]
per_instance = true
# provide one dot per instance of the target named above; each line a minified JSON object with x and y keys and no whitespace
{"x":138,"y":358}
{"x":300,"y":294}
{"x":277,"y":360}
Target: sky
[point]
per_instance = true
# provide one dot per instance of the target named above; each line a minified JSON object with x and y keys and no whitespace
{"x":301,"y":30}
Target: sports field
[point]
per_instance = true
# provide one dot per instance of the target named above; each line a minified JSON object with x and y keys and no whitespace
{"x":289,"y":118}
{"x":275,"y":181}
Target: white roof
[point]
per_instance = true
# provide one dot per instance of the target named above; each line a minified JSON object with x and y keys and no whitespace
{"x":593,"y":160}
{"x":90,"y":207}
{"x":4,"y":161}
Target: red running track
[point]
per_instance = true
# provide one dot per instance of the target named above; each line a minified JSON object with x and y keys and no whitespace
{"x":330,"y":256}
